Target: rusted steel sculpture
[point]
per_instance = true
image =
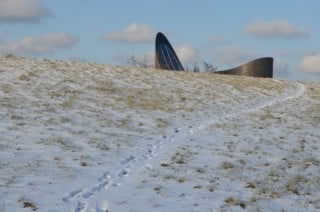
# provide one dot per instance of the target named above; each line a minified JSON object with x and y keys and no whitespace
{"x":166,"y":58}
{"x":262,"y":67}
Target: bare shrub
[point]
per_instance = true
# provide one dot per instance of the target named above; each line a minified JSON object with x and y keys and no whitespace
{"x":141,"y":63}
{"x":203,"y":67}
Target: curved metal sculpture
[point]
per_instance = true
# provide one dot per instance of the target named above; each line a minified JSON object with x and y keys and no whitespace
{"x":262,"y":67}
{"x":166,"y":58}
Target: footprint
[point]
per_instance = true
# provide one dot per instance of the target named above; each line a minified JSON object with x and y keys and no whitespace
{"x":116,"y":184}
{"x":130,"y":158}
{"x":124,"y":173}
{"x":72,"y":195}
{"x":105,"y":176}
{"x":88,"y":194}
{"x":100,"y":186}
{"x":80,"y":207}
{"x":95,"y":189}
{"x":101,"y":207}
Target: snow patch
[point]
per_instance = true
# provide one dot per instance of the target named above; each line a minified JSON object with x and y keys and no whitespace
{"x":94,"y":137}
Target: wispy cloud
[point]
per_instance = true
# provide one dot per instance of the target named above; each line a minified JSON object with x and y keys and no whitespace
{"x":135,"y":33}
{"x":39,"y":45}
{"x":217,"y":40}
{"x":23,"y":11}
{"x":227,"y":55}
{"x":187,"y":54}
{"x":147,"y":58}
{"x":281,"y":69}
{"x":275,"y":29}
{"x":311,"y":63}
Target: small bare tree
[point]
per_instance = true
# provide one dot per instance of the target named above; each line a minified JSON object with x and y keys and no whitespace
{"x":204,"y":67}
{"x":208,"y":67}
{"x":143,"y":63}
{"x":132,"y":61}
{"x":195,"y":67}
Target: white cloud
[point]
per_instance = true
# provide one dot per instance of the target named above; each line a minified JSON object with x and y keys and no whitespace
{"x":216,"y":40}
{"x":187,"y":54}
{"x":274,"y":29}
{"x":23,"y":10}
{"x":311,"y":63}
{"x":147,"y":57}
{"x":227,"y":55}
{"x":281,"y":68}
{"x":39,"y":45}
{"x":134,"y":33}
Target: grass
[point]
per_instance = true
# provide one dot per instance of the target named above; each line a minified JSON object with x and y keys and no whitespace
{"x":233,"y":201}
{"x":226,"y":165}
{"x":179,"y":159}
{"x":296,"y":185}
{"x":27,"y":204}
{"x":115,"y":97}
{"x":158,"y":189}
{"x":152,"y":90}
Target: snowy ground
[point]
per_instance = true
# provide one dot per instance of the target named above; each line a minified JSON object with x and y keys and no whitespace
{"x":89,"y":137}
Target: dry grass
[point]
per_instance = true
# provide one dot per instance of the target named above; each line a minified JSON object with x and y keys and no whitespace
{"x":135,"y":89}
{"x":99,"y":105}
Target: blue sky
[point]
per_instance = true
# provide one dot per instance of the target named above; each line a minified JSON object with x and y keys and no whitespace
{"x":225,"y":33}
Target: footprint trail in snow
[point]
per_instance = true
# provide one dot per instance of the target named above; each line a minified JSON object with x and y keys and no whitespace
{"x":83,"y":198}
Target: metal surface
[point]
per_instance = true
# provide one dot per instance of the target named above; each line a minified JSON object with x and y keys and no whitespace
{"x":262,"y":67}
{"x":166,"y":58}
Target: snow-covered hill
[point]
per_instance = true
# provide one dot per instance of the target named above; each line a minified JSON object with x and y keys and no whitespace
{"x":89,"y":137}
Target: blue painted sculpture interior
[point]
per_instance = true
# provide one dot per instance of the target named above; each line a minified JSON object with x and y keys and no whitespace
{"x":166,"y":58}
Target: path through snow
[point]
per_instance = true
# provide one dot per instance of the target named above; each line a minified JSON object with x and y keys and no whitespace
{"x":84,"y":198}
{"x":92,"y":137}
